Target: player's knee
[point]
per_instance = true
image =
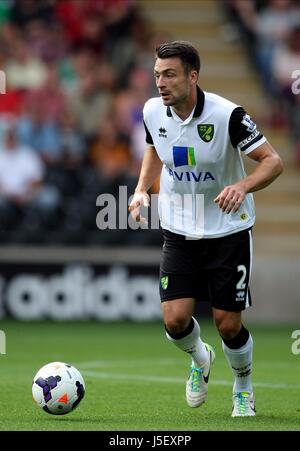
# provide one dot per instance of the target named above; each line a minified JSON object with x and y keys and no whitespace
{"x":228,"y":329}
{"x":176,"y":324}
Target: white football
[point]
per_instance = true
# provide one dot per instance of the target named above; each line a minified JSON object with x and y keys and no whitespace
{"x":58,"y":388}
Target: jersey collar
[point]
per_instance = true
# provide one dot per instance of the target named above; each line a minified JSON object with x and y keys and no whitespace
{"x":199,"y":105}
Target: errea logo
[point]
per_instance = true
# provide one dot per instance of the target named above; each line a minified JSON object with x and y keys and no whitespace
{"x":162,"y":132}
{"x":240,"y":295}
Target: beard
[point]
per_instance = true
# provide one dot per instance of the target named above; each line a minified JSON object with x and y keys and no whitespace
{"x":171,"y":100}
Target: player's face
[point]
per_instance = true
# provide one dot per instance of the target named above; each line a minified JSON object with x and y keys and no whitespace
{"x":173,"y":83}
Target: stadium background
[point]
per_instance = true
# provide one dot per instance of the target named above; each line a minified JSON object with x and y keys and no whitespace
{"x":77,"y":75}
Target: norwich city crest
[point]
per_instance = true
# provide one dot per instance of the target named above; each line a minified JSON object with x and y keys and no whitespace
{"x":206,"y":132}
{"x":164,"y":281}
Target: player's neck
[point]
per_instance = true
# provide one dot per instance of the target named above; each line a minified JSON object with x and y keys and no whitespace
{"x":184,"y":109}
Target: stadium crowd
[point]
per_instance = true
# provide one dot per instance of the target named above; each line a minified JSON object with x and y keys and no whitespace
{"x":271,"y":31}
{"x":77,"y":76}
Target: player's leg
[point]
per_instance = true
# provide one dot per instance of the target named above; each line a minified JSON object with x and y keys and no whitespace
{"x":179,"y":286}
{"x":183,"y":330}
{"x":237,"y":345}
{"x":228,"y":283}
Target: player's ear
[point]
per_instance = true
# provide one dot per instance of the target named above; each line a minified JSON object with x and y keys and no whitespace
{"x":194,"y":76}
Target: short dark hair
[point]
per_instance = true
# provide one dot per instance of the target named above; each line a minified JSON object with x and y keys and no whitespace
{"x":183,"y":50}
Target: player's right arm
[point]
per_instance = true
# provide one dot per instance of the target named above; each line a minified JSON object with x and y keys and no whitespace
{"x":150,"y":170}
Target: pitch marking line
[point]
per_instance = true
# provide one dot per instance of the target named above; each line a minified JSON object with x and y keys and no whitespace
{"x":132,"y":363}
{"x":177,"y":380}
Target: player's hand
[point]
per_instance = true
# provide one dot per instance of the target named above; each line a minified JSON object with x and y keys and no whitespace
{"x":140,"y":198}
{"x":231,"y":198}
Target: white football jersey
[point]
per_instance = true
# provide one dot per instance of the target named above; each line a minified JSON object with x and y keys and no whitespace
{"x":201,"y":156}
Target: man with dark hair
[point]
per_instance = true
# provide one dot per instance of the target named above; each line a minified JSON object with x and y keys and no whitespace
{"x":188,"y":54}
{"x":195,"y":141}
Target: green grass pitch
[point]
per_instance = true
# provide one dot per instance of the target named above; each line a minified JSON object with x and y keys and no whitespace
{"x":135,"y":379}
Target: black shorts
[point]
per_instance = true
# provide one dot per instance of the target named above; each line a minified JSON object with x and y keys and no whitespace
{"x":215,"y":269}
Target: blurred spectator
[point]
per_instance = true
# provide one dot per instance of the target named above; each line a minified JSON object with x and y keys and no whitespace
{"x":43,"y":137}
{"x":46,"y":41}
{"x":12,"y":102}
{"x":89,"y":103}
{"x":84,"y":61}
{"x":93,"y":35}
{"x":263,"y":26}
{"x":120,"y":15}
{"x":286,"y":61}
{"x":72,"y":15}
{"x":25,"y":11}
{"x":109,"y":154}
{"x":5,"y":11}
{"x":71,"y":68}
{"x":242,"y":16}
{"x":127,"y":31}
{"x":135,"y":50}
{"x":23,"y":71}
{"x":128,"y":104}
{"x":72,"y":143}
{"x":21,"y":180}
{"x":10,"y":36}
{"x":21,"y":171}
{"x":38,"y":126}
{"x":272,"y":27}
{"x":48,"y":101}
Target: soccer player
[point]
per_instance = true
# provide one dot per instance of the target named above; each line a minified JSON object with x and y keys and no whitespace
{"x":195,"y":142}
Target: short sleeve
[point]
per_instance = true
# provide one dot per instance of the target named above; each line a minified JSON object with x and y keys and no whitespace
{"x":149,"y":139}
{"x":243,"y":132}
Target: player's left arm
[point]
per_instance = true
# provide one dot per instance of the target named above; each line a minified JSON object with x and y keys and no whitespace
{"x":269,"y":167}
{"x":247,"y":139}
